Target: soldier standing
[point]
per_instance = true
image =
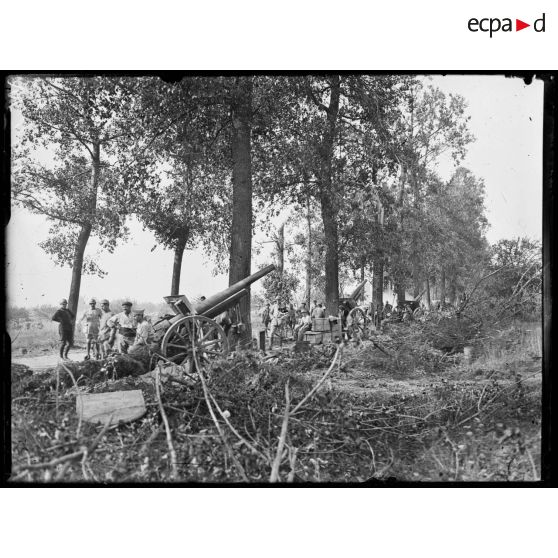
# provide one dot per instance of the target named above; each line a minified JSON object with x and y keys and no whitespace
{"x":65,"y":318}
{"x":92,"y":319}
{"x":266,"y":317}
{"x":278,"y":316}
{"x":125,"y":323}
{"x":104,"y":329}
{"x":292,"y":318}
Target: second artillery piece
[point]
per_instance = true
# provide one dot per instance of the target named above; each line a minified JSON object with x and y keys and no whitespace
{"x":357,"y":319}
{"x":194,"y":331}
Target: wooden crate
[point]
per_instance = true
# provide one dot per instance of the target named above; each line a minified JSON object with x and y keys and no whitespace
{"x":336,"y":330}
{"x":313,"y":337}
{"x":334,"y":335}
{"x":320,"y":324}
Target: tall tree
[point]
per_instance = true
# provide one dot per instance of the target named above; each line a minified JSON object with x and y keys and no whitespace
{"x":431,"y":124}
{"x":68,"y":163}
{"x":187,"y":202}
{"x":323,"y":120}
{"x":325,"y":181}
{"x":241,"y":227}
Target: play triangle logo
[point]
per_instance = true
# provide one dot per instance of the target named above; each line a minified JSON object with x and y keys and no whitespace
{"x":492,"y":25}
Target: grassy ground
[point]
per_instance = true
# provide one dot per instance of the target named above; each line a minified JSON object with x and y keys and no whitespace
{"x":396,"y":408}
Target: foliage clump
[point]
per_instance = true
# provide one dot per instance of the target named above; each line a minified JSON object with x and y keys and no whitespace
{"x":362,"y":424}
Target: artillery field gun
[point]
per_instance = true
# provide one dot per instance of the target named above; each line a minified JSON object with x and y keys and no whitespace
{"x":194,"y":329}
{"x":357,"y":316}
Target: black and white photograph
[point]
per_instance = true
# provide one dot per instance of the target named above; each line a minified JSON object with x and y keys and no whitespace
{"x":275,"y":278}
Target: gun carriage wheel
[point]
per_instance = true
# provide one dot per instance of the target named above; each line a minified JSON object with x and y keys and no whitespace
{"x":358,"y":322}
{"x":194,"y":334}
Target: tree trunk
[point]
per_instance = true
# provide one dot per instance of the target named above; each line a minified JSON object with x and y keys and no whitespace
{"x":331,"y":258}
{"x":378,"y":284}
{"x":77,"y":267}
{"x":416,"y":288}
{"x":84,"y":233}
{"x":308,"y":290}
{"x":177,"y":266}
{"x":280,"y":249}
{"x":241,"y":228}
{"x":453,"y":290}
{"x":400,"y":293}
{"x":427,"y":299}
{"x":328,"y":200}
{"x":443,"y":287}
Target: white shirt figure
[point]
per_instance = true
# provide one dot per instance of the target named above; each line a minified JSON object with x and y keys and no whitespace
{"x":144,"y":333}
{"x":122,"y":320}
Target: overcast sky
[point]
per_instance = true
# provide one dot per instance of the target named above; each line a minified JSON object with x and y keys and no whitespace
{"x":506,"y":119}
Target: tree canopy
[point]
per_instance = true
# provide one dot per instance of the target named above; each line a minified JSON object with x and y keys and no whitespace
{"x":210,"y":161}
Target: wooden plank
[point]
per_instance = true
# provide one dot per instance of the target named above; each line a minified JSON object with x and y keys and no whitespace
{"x":122,"y":406}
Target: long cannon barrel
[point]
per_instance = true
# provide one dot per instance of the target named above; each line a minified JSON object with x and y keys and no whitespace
{"x":358,"y":290}
{"x":207,"y":304}
{"x":225,"y":304}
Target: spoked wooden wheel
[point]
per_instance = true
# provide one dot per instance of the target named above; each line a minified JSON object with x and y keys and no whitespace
{"x":194,"y":335}
{"x":357,"y":322}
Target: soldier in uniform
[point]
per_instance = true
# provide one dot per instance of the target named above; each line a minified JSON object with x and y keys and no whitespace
{"x":65,"y":318}
{"x":104,"y":329}
{"x":266,"y":317}
{"x":291,"y":320}
{"x":125,"y":323}
{"x":319,"y":311}
{"x":304,"y":325}
{"x":92,"y":319}
{"x":279,"y":314}
{"x":144,"y":334}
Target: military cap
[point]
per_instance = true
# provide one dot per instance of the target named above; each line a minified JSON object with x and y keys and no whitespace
{"x":92,"y":301}
{"x":138,"y":312}
{"x":127,"y":303}
{"x":105,"y":301}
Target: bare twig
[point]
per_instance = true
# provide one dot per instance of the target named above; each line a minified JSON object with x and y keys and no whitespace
{"x":373,"y":456}
{"x":174,"y":466}
{"x":321,"y":381}
{"x":292,"y":461}
{"x":476,"y":286}
{"x":57,"y":390}
{"x":233,"y":429}
{"x":83,"y":462}
{"x":215,"y":421}
{"x":80,"y":414}
{"x":274,"y":477}
{"x":66,"y":459}
{"x":533,"y":466}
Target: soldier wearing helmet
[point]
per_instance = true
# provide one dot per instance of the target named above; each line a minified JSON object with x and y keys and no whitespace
{"x":125,"y":323}
{"x":65,"y":319}
{"x":91,"y":321}
{"x":105,"y":339}
{"x":143,"y":342}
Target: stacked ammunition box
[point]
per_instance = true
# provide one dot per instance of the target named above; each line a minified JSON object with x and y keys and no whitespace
{"x":323,"y":331}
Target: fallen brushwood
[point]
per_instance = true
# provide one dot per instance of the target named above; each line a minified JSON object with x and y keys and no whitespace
{"x":22,"y":470}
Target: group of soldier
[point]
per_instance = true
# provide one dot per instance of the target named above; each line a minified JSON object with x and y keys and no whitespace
{"x":102,"y":327}
{"x":277,"y":316}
